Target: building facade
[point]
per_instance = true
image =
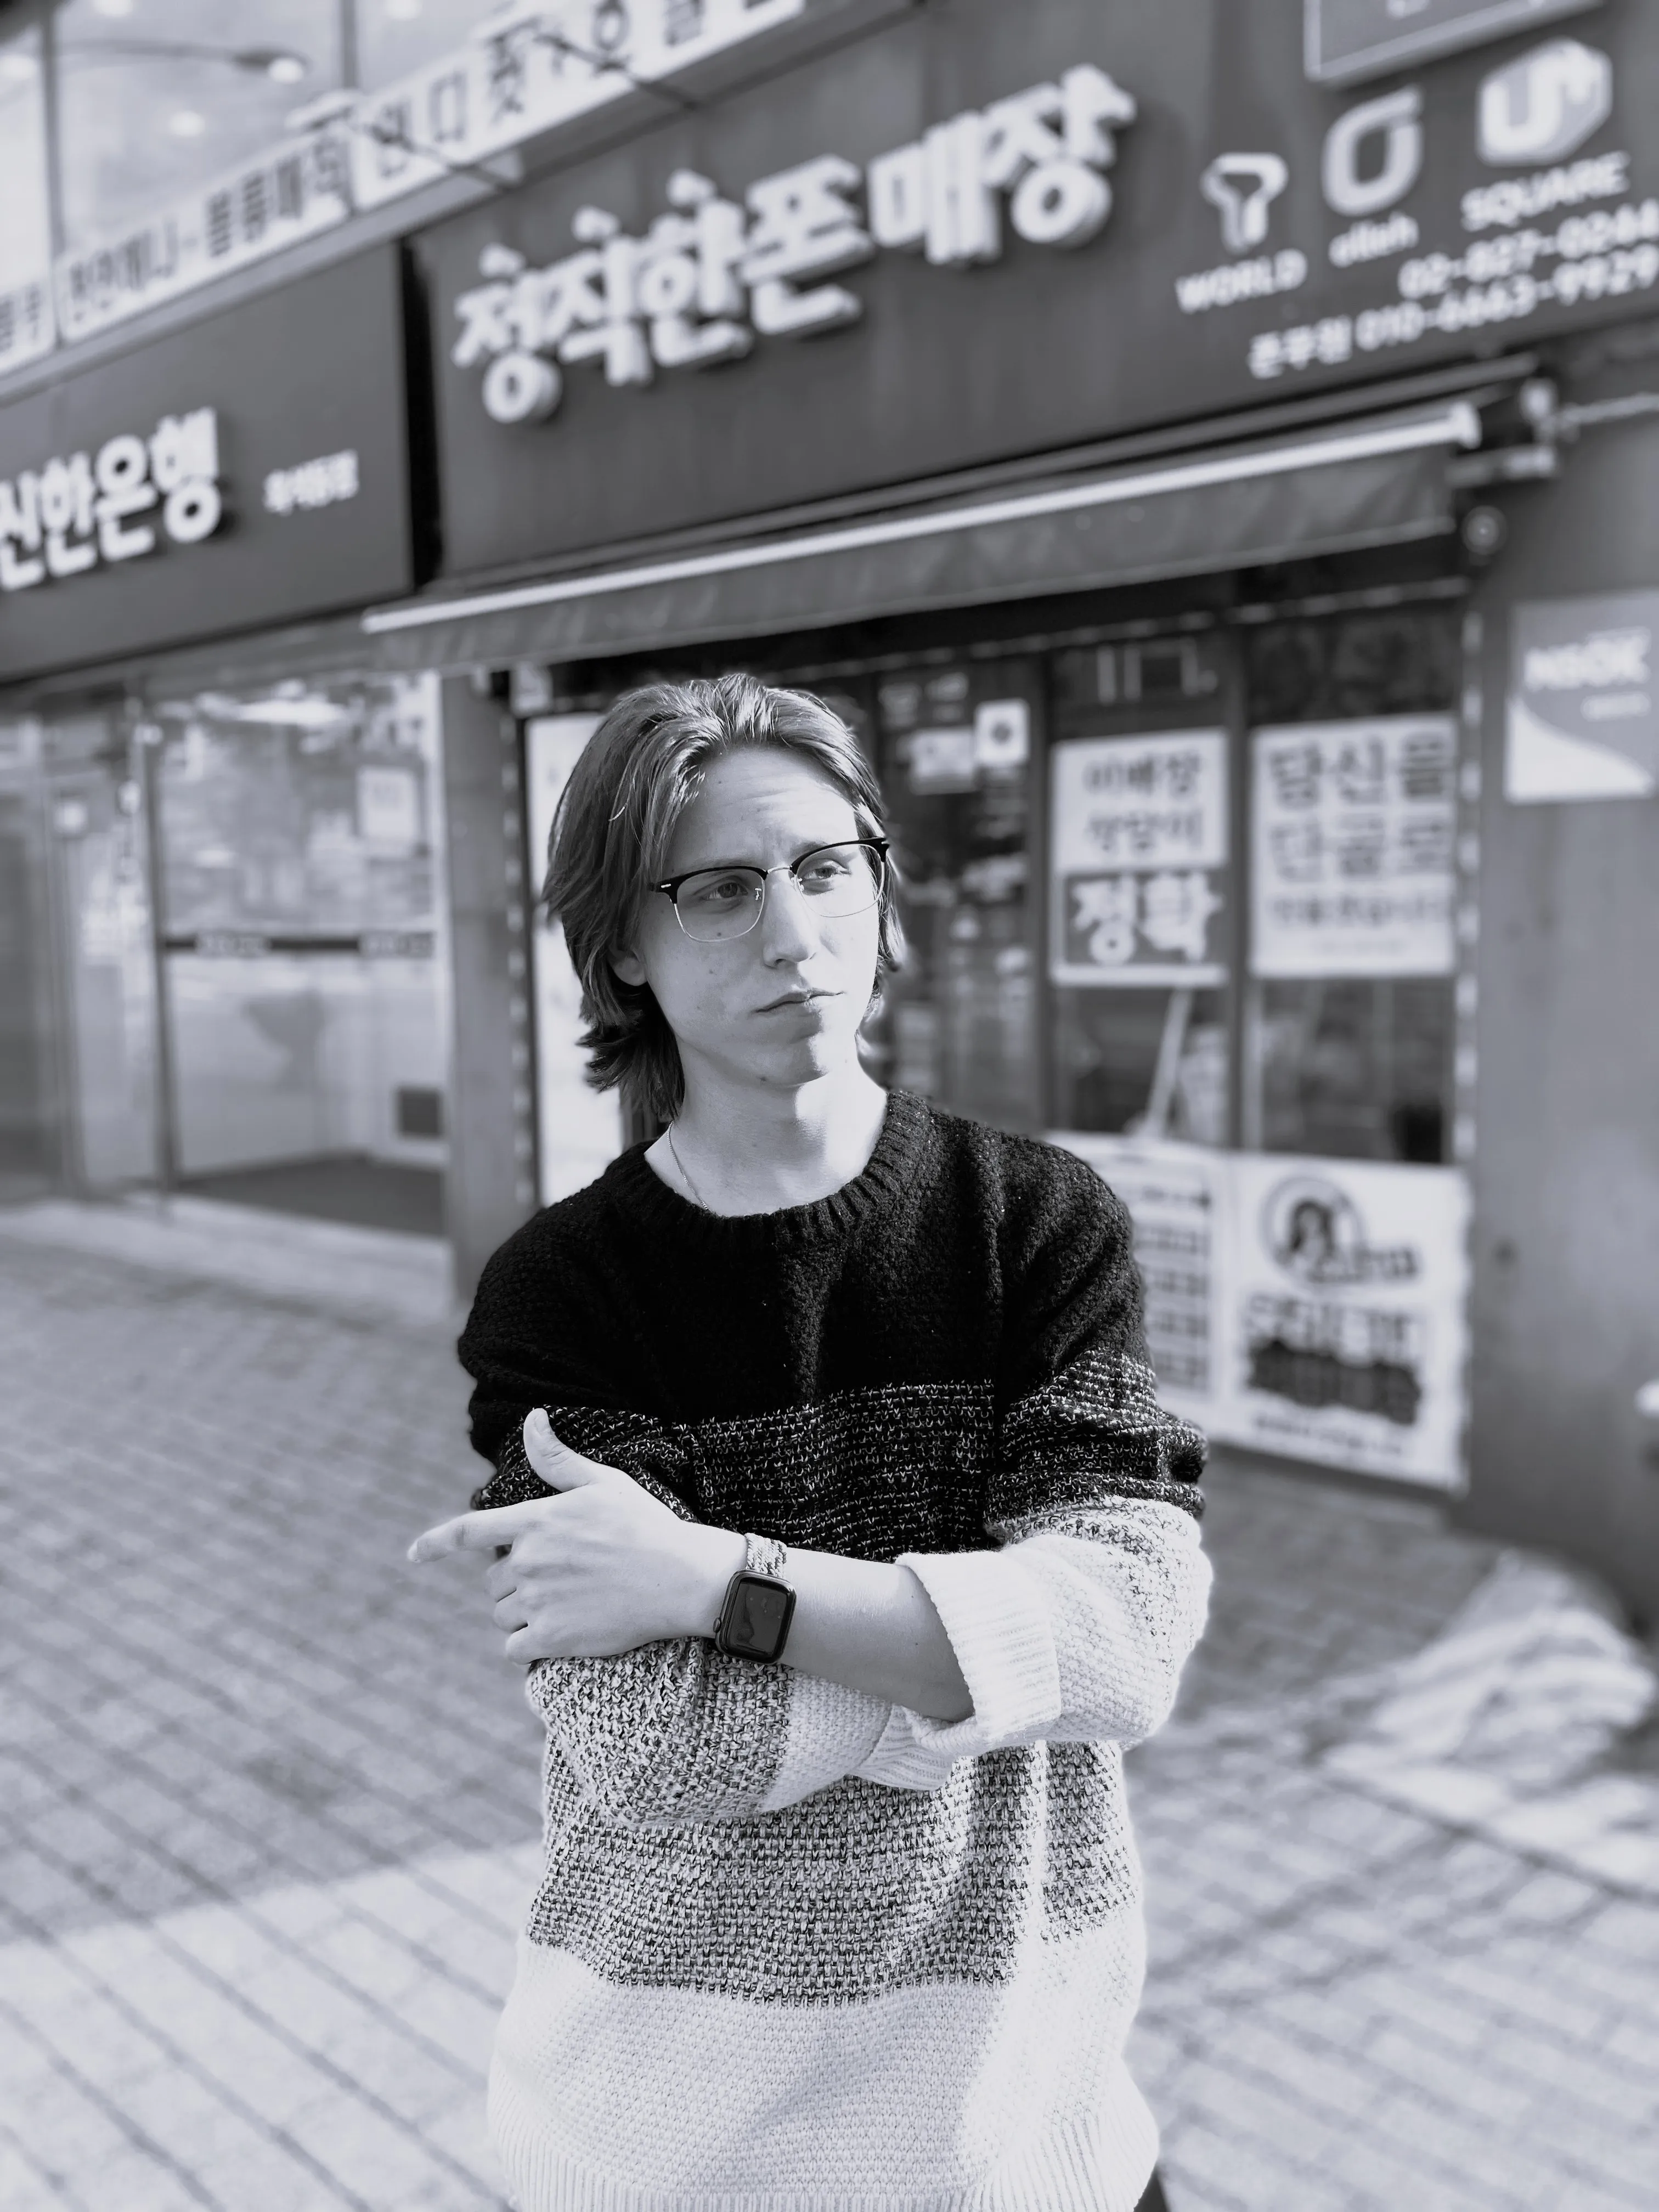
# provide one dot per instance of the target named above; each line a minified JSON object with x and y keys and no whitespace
{"x":1207,"y":455}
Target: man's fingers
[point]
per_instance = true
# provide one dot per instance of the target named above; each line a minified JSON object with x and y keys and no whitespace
{"x":476,"y":1531}
{"x":556,"y":1464}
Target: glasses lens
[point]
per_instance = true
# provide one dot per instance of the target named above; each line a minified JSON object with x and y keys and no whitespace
{"x":721,"y":902}
{"x":840,"y":879}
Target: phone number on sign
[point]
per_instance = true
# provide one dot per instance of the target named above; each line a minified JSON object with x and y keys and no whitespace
{"x":1337,"y":337}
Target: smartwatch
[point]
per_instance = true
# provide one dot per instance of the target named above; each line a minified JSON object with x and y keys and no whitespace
{"x":754,"y":1622}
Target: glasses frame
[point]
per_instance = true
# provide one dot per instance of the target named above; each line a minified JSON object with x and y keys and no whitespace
{"x":670,"y":887}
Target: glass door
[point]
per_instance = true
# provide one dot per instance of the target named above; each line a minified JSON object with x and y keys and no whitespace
{"x":304,"y":935}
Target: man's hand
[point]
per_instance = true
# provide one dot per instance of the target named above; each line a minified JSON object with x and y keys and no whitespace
{"x":602,"y":1568}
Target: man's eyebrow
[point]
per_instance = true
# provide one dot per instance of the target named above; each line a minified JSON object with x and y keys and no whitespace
{"x":817,"y":845}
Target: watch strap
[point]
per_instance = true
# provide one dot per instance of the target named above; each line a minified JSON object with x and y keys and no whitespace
{"x":764,"y":1555}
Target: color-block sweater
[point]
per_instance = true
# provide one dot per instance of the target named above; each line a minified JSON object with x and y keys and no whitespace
{"x":796,"y":1949}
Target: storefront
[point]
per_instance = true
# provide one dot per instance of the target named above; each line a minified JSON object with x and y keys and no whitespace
{"x":228,"y":911}
{"x":1123,"y":421}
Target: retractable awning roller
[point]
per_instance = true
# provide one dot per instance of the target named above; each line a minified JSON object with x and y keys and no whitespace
{"x":1374,"y":482}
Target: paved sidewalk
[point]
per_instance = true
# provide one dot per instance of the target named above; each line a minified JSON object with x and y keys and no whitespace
{"x":268,"y":1805}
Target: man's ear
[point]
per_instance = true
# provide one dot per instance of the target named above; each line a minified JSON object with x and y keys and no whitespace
{"x":627,"y":967}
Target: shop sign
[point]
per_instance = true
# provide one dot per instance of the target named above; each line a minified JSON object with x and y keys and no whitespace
{"x":280,"y":195}
{"x":197,"y":484}
{"x":530,"y":70}
{"x":1349,"y":40}
{"x":709,"y":274}
{"x":836,"y":278}
{"x":61,"y":519}
{"x":1308,"y":1307}
{"x":1138,"y":859}
{"x":1583,"y":698}
{"x":27,"y":330}
{"x":1352,"y":847}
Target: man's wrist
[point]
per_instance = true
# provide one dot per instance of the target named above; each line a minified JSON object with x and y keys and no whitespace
{"x":717,"y":1554}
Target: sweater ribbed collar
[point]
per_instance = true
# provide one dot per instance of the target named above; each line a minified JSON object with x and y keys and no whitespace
{"x":905,"y":1129}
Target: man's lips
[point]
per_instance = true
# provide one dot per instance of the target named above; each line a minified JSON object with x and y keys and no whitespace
{"x":794,"y":999}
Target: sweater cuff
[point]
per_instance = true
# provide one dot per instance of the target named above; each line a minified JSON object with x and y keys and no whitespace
{"x":831,"y":1732}
{"x":997,"y":1619}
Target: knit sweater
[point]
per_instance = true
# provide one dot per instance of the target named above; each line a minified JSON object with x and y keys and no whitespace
{"x":796,"y":1949}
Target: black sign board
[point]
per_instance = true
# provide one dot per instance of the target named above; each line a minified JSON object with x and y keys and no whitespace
{"x":989,"y":231}
{"x":252,"y":468}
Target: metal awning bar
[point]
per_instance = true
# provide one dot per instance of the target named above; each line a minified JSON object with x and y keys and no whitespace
{"x":1456,"y":423}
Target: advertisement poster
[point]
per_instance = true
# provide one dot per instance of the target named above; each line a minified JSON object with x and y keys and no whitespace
{"x":1173,"y":1194}
{"x":1352,"y":861}
{"x":1138,"y":861}
{"x":579,"y":1130}
{"x":1309,"y":1308}
{"x":1584,"y":704}
{"x":1344,"y":1328}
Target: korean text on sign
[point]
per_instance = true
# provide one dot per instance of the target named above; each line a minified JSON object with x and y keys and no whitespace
{"x":1138,"y":859}
{"x":82,"y":508}
{"x":711,"y":274}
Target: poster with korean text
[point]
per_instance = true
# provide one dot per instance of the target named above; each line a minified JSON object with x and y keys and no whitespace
{"x":1352,"y":828}
{"x":1175,"y":1197}
{"x":1138,"y":859}
{"x":1345,"y":1335}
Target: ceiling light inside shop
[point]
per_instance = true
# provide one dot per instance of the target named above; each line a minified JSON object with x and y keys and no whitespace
{"x":403,"y":11}
{"x":306,"y":711}
{"x":281,"y":65}
{"x":187,"y":123}
{"x":117,"y":11}
{"x":18,"y":69}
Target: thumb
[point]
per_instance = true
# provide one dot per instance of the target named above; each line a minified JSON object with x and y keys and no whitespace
{"x":556,"y":1464}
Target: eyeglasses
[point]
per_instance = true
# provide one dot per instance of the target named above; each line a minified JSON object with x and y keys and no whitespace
{"x":713,"y":904}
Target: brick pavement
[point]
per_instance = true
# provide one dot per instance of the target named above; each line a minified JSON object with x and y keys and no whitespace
{"x":268,"y":1809}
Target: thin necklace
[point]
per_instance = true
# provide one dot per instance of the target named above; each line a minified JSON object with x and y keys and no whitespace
{"x":686,"y":1172}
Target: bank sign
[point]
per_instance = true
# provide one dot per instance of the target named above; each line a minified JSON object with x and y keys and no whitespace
{"x":985,"y":229}
{"x":249,"y":470}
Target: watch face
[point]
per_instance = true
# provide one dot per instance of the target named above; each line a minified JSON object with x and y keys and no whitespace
{"x":760,"y":1614}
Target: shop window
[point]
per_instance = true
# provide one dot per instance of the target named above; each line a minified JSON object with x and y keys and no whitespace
{"x":25,"y":228}
{"x":955,"y":747}
{"x":1141,"y":887}
{"x":1354,"y":768}
{"x":157,"y":97}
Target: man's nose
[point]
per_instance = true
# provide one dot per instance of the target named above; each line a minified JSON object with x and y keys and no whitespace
{"x":787,"y":932}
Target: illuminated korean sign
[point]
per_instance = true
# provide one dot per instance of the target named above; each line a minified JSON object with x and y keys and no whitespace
{"x":947,"y":243}
{"x":77,"y":510}
{"x":196,"y":485}
{"x":711,"y":274}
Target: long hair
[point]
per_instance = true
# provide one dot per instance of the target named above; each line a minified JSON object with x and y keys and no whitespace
{"x":639,"y":772}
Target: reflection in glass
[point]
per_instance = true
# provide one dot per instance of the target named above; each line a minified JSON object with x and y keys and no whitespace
{"x":24,"y":230}
{"x":1141,"y":1063}
{"x":1356,"y":1070}
{"x":960,"y":1025}
{"x":157,"y":97}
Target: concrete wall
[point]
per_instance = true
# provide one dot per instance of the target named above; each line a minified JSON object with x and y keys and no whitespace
{"x":1566,"y":1259}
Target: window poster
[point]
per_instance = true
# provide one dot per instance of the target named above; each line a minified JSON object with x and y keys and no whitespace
{"x":1345,"y":1324}
{"x":1138,"y":859}
{"x":579,"y":1129}
{"x":1315,"y":1308}
{"x":1583,"y":718}
{"x":1174,"y":1192}
{"x":1352,"y":835}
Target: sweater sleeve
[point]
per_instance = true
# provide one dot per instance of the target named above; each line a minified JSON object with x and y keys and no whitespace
{"x":1076,"y":1625}
{"x":675,"y":1733}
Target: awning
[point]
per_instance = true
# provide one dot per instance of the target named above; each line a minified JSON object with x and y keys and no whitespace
{"x":1377,"y":481}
